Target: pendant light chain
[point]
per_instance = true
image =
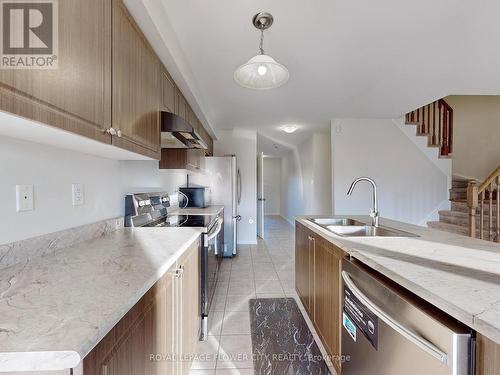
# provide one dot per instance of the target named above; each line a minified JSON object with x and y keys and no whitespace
{"x":261,"y":47}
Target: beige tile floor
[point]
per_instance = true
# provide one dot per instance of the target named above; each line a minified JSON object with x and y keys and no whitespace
{"x":262,"y":270}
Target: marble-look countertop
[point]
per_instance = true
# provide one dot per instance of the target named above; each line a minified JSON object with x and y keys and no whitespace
{"x":457,"y":274}
{"x":55,"y":308}
{"x":210,"y":210}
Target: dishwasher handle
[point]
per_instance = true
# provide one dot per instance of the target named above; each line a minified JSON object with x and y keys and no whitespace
{"x":394,"y":324}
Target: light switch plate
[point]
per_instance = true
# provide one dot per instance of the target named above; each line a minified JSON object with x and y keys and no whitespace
{"x":78,"y":194}
{"x":24,"y":198}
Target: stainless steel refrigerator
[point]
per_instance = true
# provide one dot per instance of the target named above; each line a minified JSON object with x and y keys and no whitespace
{"x":224,"y":179}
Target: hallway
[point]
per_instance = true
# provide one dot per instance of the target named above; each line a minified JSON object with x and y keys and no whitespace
{"x":265,"y":270}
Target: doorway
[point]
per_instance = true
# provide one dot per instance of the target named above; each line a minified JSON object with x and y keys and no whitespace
{"x":260,"y":195}
{"x":268,"y":192}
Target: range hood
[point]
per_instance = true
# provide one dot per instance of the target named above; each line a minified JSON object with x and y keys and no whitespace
{"x":177,"y":133}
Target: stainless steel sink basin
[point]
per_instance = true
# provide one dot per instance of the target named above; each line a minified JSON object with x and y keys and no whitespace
{"x":337,"y":221}
{"x":347,"y":227}
{"x":367,"y":231}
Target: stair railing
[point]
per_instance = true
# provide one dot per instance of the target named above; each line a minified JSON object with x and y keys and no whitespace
{"x":476,"y":197}
{"x":436,"y":121}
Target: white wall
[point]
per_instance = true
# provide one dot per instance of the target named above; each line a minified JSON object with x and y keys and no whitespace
{"x":306,"y":179}
{"x":272,"y":185}
{"x":53,"y":171}
{"x":476,"y":135}
{"x":243,"y":144}
{"x":411,"y":188}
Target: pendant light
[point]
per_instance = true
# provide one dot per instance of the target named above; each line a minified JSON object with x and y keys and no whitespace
{"x":261,"y":72}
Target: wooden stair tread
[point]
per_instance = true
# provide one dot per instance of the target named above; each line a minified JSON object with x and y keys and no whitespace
{"x":464,"y":200}
{"x":461,"y":219}
{"x":462,"y":213}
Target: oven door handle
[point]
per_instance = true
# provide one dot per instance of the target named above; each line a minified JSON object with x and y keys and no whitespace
{"x":214,"y":233}
{"x":419,"y":341}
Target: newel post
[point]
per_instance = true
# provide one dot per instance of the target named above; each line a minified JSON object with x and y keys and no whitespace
{"x":472,"y":203}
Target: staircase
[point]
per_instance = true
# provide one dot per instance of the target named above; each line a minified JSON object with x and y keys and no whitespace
{"x":475,"y":207}
{"x":434,"y":121}
{"x":458,"y":219}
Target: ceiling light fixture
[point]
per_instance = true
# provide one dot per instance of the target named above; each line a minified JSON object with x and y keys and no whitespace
{"x":261,"y":72}
{"x":289,"y":128}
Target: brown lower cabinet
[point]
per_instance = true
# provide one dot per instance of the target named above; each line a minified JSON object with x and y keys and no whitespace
{"x":159,"y":334}
{"x":487,"y":356}
{"x":318,"y":284}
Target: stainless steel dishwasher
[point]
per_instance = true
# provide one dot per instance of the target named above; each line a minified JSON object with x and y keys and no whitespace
{"x":388,"y":331}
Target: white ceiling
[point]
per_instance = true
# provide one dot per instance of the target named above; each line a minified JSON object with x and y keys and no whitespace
{"x":272,"y":148}
{"x":346,"y":58}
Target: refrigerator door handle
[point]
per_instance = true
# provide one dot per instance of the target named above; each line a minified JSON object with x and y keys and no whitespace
{"x":239,"y":186}
{"x":394,"y":324}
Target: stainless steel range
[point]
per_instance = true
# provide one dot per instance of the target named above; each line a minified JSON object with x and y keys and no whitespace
{"x":151,"y":210}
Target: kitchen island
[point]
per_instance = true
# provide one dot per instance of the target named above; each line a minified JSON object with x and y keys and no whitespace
{"x":458,"y":275}
{"x":56,"y":308}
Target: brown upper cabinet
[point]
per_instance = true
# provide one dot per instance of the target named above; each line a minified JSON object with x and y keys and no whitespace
{"x":168,"y":92}
{"x":136,"y":87}
{"x":109,"y":84}
{"x":75,"y":96}
{"x":208,"y":140}
{"x":193,"y":120}
{"x":182,"y":106}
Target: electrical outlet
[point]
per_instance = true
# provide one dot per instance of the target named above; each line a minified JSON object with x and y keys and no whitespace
{"x":24,"y":198}
{"x":78,"y":194}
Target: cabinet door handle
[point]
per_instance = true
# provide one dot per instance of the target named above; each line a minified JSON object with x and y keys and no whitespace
{"x":114,"y":132}
{"x":111,"y":131}
{"x":104,"y":370}
{"x":179,"y":272}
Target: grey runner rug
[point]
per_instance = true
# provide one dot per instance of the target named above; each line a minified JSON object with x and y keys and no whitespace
{"x":281,"y":340}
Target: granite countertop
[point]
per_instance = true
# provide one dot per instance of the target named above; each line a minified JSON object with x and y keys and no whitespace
{"x":457,"y":274}
{"x":55,"y":308}
{"x":210,"y":210}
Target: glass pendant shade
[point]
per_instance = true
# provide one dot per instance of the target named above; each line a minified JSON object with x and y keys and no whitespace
{"x":261,"y":72}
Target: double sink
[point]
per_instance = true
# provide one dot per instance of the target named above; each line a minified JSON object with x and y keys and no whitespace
{"x":347,"y":227}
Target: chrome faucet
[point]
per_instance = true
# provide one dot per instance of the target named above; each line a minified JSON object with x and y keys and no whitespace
{"x":374,"y":209}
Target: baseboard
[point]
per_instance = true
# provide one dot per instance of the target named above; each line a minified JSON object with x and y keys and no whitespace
{"x":434,"y":215}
